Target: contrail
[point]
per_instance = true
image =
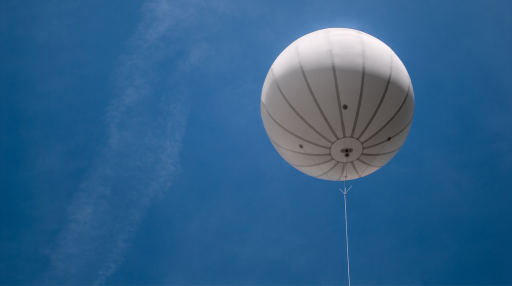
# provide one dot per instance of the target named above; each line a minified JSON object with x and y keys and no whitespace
{"x":139,"y":161}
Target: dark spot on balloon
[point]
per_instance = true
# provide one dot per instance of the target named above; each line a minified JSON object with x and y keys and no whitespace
{"x":345,"y":107}
{"x":389,"y":138}
{"x":300,"y":145}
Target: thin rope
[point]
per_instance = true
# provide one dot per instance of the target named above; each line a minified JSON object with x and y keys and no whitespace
{"x":346,"y":235}
{"x":345,"y":191}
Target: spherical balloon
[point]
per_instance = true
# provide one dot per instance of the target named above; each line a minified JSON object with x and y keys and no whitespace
{"x":337,"y":104}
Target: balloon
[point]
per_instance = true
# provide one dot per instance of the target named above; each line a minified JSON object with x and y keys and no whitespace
{"x":337,"y":104}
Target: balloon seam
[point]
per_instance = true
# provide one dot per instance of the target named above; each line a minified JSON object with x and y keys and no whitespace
{"x":335,"y":76}
{"x":327,"y":170}
{"x":290,"y":150}
{"x":355,"y":169}
{"x":314,"y":97}
{"x":296,"y":112}
{"x":313,"y":165}
{"x":393,"y":117}
{"x":305,"y":140}
{"x":386,"y":140}
{"x":368,"y":163}
{"x":342,"y":170}
{"x":361,"y":89}
{"x":380,"y":154}
{"x":381,"y":100}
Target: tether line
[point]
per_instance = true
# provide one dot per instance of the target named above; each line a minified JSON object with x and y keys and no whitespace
{"x":345,"y":191}
{"x":346,"y":236}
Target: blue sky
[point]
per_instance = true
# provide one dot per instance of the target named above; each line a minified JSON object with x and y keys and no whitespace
{"x":132,"y":149}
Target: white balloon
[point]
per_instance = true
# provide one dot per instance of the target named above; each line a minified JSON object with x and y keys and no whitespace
{"x":337,"y":104}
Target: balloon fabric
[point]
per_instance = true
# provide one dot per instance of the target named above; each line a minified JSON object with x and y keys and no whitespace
{"x":337,"y":104}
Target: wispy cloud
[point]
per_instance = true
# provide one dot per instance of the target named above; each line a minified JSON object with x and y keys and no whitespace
{"x":145,"y":122}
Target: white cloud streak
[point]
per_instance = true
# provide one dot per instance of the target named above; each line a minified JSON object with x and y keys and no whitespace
{"x":141,"y":158}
